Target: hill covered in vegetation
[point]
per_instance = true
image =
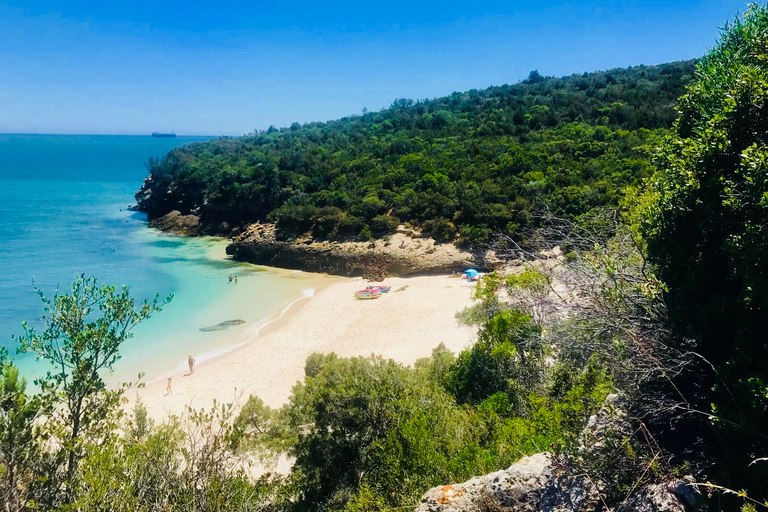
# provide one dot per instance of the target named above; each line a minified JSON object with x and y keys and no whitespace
{"x":630,"y":368}
{"x":460,"y":167}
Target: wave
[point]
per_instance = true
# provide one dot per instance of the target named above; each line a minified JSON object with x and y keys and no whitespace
{"x":250,"y":336}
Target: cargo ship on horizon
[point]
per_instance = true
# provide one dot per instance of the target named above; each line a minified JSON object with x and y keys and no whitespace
{"x":159,"y":134}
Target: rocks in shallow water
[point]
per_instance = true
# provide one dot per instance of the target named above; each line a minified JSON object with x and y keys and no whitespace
{"x":178,"y":224}
{"x":223,"y":325}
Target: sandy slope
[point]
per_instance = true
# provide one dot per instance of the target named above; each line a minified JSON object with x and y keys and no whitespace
{"x":403,"y":325}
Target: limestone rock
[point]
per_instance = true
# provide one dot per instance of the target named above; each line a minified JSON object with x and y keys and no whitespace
{"x":518,"y":488}
{"x":674,"y":496}
{"x":178,"y":224}
{"x":397,"y":254}
{"x":533,"y":484}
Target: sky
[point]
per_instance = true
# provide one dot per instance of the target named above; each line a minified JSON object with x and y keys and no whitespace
{"x":228,"y":67}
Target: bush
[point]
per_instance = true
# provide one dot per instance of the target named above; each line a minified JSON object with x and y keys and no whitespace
{"x":368,"y":416}
{"x":332,"y":222}
{"x":384,"y":224}
{"x":365,"y":234}
{"x":507,"y":358}
{"x":442,"y":230}
{"x":706,"y":233}
{"x":473,"y":236}
{"x":294,"y":219}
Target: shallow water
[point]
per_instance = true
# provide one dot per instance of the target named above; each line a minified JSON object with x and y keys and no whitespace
{"x":63,"y":212}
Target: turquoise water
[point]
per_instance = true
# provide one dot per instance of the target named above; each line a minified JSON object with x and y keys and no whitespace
{"x":63,"y":211}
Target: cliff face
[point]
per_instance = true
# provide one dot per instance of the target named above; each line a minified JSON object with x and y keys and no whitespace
{"x":177,"y":224}
{"x":399,"y":254}
{"x":402,"y":253}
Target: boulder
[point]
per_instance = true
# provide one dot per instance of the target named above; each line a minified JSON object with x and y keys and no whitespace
{"x":177,"y":224}
{"x":534,"y":484}
{"x":518,"y":488}
{"x":673,"y":496}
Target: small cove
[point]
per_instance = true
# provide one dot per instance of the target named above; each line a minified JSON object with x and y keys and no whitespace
{"x":63,"y":212}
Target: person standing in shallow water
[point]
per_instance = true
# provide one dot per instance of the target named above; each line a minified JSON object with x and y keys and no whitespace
{"x":191,"y":362}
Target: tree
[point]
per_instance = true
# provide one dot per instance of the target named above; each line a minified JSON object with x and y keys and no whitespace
{"x":370,"y":421}
{"x":471,"y":164}
{"x":508,"y":358}
{"x":81,"y":337}
{"x":707,"y":234}
{"x":17,"y":446}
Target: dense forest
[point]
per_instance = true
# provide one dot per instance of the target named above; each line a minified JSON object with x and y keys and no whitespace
{"x":467,"y":165}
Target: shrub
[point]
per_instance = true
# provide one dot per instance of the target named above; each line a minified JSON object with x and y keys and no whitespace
{"x":442,"y":230}
{"x":365,"y":234}
{"x":384,"y":224}
{"x":473,"y":236}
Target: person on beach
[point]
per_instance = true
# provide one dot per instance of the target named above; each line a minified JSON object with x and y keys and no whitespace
{"x":235,"y":279}
{"x":230,"y":277}
{"x":168,"y":390}
{"x":191,"y":362}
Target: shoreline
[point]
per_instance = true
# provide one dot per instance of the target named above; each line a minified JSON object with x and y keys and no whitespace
{"x":195,"y":272}
{"x":246,"y":338}
{"x":404,"y":251}
{"x":404,"y":326}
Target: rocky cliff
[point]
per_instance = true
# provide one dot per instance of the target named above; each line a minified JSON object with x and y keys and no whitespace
{"x":402,"y":253}
{"x":399,"y":254}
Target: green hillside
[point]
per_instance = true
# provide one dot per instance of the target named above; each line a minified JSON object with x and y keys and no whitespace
{"x":465,"y":166}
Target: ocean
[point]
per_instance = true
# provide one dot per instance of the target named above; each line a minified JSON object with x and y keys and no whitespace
{"x":64,"y":212}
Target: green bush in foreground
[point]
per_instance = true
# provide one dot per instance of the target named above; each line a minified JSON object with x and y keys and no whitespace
{"x":706,"y":233}
{"x":368,"y":432}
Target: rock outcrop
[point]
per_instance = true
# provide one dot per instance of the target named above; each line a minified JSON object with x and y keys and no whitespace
{"x":399,"y":254}
{"x":539,"y":484}
{"x":402,"y":253}
{"x":534,"y":484}
{"x":177,"y":224}
{"x":222,"y":325}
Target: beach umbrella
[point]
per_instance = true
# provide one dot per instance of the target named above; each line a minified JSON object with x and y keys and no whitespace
{"x":470,"y":272}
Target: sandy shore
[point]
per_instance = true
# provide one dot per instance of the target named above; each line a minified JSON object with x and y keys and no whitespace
{"x":403,"y":325}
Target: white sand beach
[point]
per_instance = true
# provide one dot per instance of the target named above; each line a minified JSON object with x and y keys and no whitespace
{"x":402,"y":325}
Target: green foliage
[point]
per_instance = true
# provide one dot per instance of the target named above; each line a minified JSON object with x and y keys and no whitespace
{"x":529,"y":280}
{"x":138,"y":474}
{"x":706,"y":235}
{"x":365,"y":234}
{"x":369,"y":434}
{"x":366,"y":433}
{"x":356,"y":417}
{"x":82,"y":334}
{"x":383,"y":224}
{"x":508,"y":357}
{"x":442,"y":230}
{"x":472,"y":163}
{"x":183,"y":464}
{"x":18,"y":452}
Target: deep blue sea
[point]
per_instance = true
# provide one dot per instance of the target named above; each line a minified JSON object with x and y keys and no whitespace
{"x":63,"y":212}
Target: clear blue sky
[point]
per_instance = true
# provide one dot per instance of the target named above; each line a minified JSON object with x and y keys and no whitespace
{"x":230,"y":66}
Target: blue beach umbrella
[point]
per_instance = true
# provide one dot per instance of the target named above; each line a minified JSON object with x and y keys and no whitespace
{"x":470,"y":272}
